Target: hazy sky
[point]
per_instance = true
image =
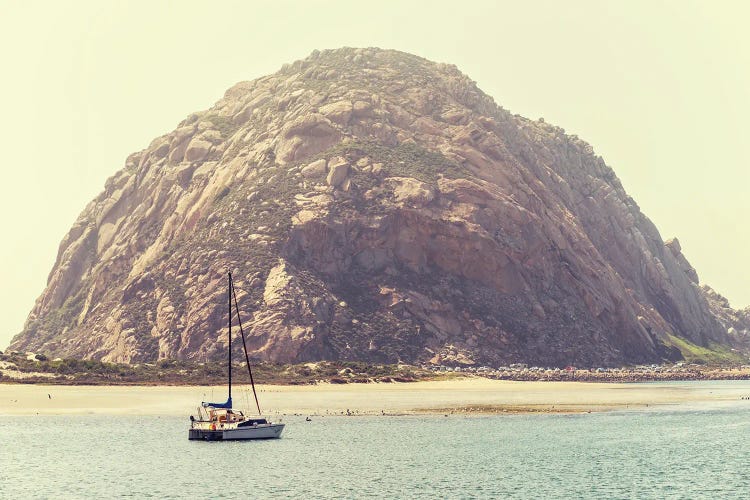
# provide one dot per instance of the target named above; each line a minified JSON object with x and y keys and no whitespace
{"x":660,"y":89}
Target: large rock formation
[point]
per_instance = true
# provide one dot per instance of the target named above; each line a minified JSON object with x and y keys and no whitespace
{"x":377,"y":206}
{"x":736,"y":322}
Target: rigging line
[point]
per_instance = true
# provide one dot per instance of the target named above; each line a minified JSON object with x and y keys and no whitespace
{"x":244,"y":344}
{"x":229,"y":337}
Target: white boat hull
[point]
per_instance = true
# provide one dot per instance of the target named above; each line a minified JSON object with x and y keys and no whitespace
{"x":271,"y":431}
{"x":268,"y":431}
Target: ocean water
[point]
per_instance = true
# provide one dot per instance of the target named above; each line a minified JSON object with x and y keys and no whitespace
{"x":686,"y":452}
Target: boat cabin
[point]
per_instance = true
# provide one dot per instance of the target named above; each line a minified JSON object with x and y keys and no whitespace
{"x":222,"y":415}
{"x":230,"y":416}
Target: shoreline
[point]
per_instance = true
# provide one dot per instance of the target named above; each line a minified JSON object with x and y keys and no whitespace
{"x":466,"y":396}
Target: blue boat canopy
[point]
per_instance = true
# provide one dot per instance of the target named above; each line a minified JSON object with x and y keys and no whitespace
{"x":227,"y":405}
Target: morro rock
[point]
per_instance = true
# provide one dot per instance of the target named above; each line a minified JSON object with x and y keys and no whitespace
{"x":374,"y":206}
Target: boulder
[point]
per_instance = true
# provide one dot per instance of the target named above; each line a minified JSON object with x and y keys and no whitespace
{"x":410,"y":191}
{"x":362,"y":109}
{"x":338,"y":112}
{"x":338,"y":170}
{"x":317,"y":168}
{"x":304,"y":136}
{"x":197,"y":150}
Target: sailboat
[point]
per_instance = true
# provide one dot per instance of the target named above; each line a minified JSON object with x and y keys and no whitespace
{"x":220,"y":421}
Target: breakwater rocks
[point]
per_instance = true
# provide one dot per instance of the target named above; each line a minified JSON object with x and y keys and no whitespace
{"x":628,"y":374}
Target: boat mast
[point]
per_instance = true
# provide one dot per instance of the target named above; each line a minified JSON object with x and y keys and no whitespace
{"x":244,"y":344}
{"x":230,"y":336}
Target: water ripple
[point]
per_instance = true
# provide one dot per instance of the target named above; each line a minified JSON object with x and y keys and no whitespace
{"x":628,"y":455}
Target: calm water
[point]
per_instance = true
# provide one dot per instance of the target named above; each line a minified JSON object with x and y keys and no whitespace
{"x":687,"y":453}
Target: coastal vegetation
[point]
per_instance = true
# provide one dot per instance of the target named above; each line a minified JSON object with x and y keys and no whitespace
{"x":32,"y":368}
{"x":714,"y":353}
{"x":23,"y":368}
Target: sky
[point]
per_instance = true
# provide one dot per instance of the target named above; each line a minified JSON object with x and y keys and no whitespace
{"x":660,"y":89}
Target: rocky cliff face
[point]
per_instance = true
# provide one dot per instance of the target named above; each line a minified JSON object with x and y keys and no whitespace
{"x":736,"y":322}
{"x":373,"y":205}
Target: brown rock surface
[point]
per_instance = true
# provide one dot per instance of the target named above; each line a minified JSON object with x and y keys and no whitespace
{"x":736,"y":322}
{"x":314,"y":169}
{"x":457,"y":231}
{"x":338,"y":170}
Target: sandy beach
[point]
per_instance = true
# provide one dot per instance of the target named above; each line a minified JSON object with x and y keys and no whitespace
{"x":470,"y":395}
